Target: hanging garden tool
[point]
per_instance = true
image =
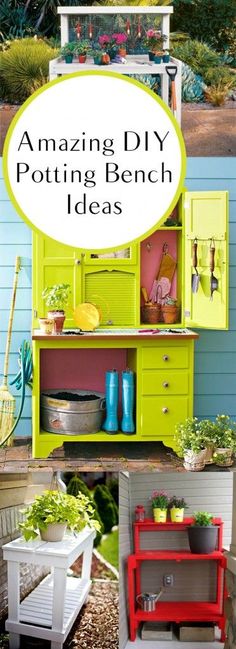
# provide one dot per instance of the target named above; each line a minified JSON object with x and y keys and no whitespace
{"x":172,"y":72}
{"x":213,"y":280}
{"x":162,"y":282}
{"x":195,"y":276}
{"x":7,"y":401}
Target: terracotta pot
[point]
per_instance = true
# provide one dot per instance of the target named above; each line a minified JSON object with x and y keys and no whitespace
{"x":58,"y":318}
{"x":170,"y":313}
{"x":46,"y":325}
{"x":82,"y":58}
{"x":105,"y":58}
{"x":122,"y":52}
{"x":54,"y":532}
{"x":151,"y":313}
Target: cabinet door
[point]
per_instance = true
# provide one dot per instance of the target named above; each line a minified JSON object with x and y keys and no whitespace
{"x":206,"y":219}
{"x":54,"y":263}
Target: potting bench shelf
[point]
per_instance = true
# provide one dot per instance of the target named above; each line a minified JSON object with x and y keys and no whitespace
{"x":50,"y":610}
{"x":174,"y":611}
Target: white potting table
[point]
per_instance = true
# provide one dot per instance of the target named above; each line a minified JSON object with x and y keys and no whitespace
{"x":135,"y":64}
{"x":50,"y":610}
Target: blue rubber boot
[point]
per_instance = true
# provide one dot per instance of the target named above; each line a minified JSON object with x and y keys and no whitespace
{"x":112,"y":397}
{"x":127,"y":422}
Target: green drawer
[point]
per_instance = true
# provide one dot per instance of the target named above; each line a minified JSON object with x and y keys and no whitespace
{"x":165,"y":357}
{"x":160,"y":415}
{"x":168,"y":382}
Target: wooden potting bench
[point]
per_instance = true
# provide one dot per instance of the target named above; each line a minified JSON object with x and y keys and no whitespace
{"x":50,"y":610}
{"x":175,"y":611}
{"x":135,"y":64}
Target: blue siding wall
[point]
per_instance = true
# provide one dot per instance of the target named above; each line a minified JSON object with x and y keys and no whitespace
{"x":215,"y":359}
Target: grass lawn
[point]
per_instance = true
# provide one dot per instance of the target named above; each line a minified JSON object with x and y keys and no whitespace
{"x":109,"y":548}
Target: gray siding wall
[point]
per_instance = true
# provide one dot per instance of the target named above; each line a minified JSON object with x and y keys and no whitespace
{"x":203,"y":492}
{"x":125,"y":548}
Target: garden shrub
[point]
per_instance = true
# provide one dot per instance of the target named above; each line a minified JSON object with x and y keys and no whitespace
{"x":77,"y":485}
{"x":24,"y":68}
{"x":218,"y":94}
{"x":210,"y":21}
{"x":113,"y":486}
{"x":106,"y":506}
{"x":220,"y":75}
{"x":193,"y":85}
{"x":198,"y":56}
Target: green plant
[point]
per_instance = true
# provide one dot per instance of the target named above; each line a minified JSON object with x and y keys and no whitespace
{"x":170,"y":301}
{"x":225,"y":432}
{"x":68,"y":48}
{"x":221,"y":74}
{"x":217,"y":95}
{"x":198,"y":55}
{"x":202,"y":519}
{"x":113,"y":486}
{"x":177,"y":503}
{"x":160,"y":500}
{"x":57,"y":507}
{"x":106,"y":506}
{"x":57,"y":296}
{"x":188,"y":436}
{"x":82,"y":46}
{"x":207,"y":431}
{"x":24,"y":68}
{"x":77,"y":486}
{"x":210,"y":21}
{"x":219,"y":459}
{"x":154,"y":39}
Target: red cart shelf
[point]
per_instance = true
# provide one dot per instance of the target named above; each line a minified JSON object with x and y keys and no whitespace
{"x":174,"y":611}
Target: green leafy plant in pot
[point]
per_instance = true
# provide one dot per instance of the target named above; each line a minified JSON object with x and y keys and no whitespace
{"x":177,"y":507}
{"x":225,"y":440}
{"x":53,"y":512}
{"x":57,"y":298}
{"x":191,"y":444}
{"x":202,"y":534}
{"x":160,"y":504}
{"x":207,"y":431}
{"x":82,"y":48}
{"x":67,"y":51}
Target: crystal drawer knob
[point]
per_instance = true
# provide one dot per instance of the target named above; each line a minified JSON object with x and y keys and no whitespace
{"x":165,"y":357}
{"x":165,"y":384}
{"x":78,"y":262}
{"x":165,"y":410}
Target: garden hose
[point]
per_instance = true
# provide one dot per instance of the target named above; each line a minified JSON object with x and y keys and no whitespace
{"x":21,"y":380}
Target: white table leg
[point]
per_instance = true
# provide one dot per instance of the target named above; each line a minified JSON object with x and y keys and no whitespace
{"x":13,"y":578}
{"x":58,"y":605}
{"x":87,"y":560}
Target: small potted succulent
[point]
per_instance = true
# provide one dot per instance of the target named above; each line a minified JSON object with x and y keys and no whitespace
{"x":120,"y":39}
{"x":170,"y":310}
{"x":177,"y":507}
{"x":81,"y":50}
{"x":57,"y":297}
{"x":160,"y":503}
{"x":202,"y":534}
{"x":67,"y":51}
{"x":225,"y":440}
{"x":191,"y":444}
{"x":53,"y":512}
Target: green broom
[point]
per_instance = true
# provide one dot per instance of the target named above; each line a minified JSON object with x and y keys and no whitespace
{"x":7,"y":401}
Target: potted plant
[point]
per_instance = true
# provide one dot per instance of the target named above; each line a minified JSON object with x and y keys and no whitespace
{"x":153,"y":41}
{"x":46,"y":325}
{"x":57,"y":297}
{"x":97,"y":57}
{"x":207,"y":430}
{"x":160,"y":502}
{"x":67,"y":51}
{"x":53,"y":512}
{"x":170,"y":310}
{"x":202,"y":534}
{"x":119,"y":39}
{"x":225,"y":440}
{"x":191,"y":445}
{"x":177,"y":507}
{"x":166,"y":56}
{"x":81,"y":49}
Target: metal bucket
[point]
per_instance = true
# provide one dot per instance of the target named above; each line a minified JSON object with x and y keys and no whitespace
{"x":67,"y":417}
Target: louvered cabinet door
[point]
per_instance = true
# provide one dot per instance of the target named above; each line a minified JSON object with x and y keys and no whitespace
{"x":114,"y":293}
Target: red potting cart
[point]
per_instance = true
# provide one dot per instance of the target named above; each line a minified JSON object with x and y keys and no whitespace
{"x":172,"y":611}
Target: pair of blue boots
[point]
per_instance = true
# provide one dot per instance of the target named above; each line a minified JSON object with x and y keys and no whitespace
{"x":111,"y":424}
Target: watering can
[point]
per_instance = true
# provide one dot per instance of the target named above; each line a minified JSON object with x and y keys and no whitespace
{"x":147,"y":601}
{"x":87,"y":316}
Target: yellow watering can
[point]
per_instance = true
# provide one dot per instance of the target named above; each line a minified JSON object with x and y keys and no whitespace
{"x":87,"y":316}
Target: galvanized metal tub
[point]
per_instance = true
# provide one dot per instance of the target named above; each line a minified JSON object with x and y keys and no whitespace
{"x":68,"y":417}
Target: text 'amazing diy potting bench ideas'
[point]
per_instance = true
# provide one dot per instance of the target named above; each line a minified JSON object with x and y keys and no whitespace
{"x":161,"y":359}
{"x":167,"y":610}
{"x":135,"y":63}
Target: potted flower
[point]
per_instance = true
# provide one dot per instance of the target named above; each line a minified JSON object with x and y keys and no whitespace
{"x":153,"y":41}
{"x":191,"y":445}
{"x":225,"y":440}
{"x":170,"y":310}
{"x":57,"y":297}
{"x":160,"y":502}
{"x":202,"y":534}
{"x":67,"y":51}
{"x":119,"y":39}
{"x":81,"y":49}
{"x":177,"y":507}
{"x":207,"y":430}
{"x":53,"y":512}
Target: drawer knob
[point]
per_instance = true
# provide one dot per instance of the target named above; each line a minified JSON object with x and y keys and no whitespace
{"x":165,"y":410}
{"x":165,"y":384}
{"x":77,"y":262}
{"x":165,"y":357}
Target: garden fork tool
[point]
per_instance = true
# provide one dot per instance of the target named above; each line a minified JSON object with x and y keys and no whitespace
{"x":172,"y":72}
{"x":213,"y":280}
